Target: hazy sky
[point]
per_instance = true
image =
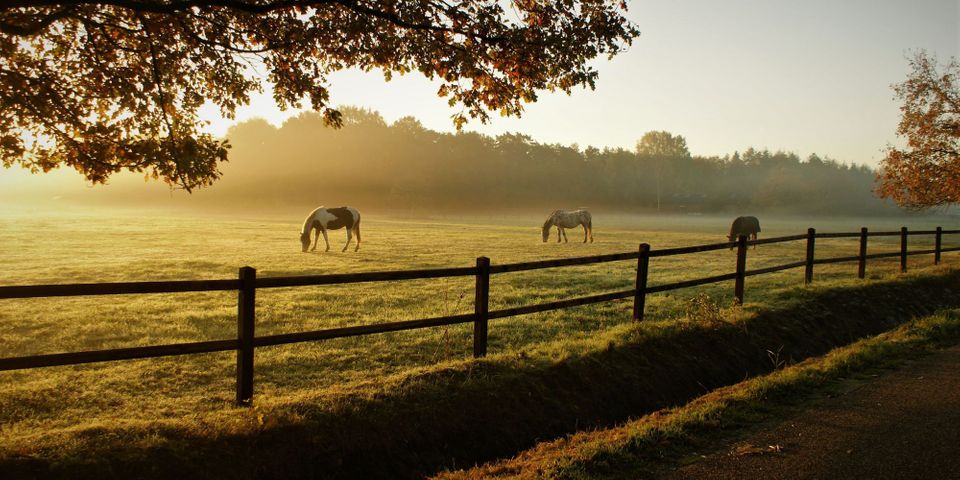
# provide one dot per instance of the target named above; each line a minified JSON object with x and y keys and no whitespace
{"x":801,"y":75}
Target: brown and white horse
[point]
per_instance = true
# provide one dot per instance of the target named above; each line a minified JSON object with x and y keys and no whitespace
{"x":323,"y":219}
{"x":569,"y":219}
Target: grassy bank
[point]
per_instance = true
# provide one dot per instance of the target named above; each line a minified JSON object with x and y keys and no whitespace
{"x":639,"y":448}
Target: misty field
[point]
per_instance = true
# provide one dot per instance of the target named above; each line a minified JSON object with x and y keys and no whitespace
{"x":196,"y":392}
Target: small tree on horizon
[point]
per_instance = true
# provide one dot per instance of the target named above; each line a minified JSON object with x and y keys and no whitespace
{"x":662,"y":148}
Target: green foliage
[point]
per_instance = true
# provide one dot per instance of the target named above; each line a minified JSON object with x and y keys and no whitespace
{"x":702,"y":308}
{"x":663,"y":144}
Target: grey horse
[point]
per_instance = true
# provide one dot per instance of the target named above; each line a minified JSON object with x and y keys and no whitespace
{"x":563,"y":219}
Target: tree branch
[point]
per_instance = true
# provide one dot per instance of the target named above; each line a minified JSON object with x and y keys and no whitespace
{"x":158,"y":80}
{"x":148,"y":6}
{"x":253,"y":7}
{"x":33,"y":26}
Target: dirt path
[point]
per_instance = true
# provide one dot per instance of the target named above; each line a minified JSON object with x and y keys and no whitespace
{"x":903,"y":425}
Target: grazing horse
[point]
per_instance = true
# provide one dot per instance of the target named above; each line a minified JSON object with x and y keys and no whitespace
{"x":748,"y":226}
{"x":323,"y":219}
{"x":569,"y":219}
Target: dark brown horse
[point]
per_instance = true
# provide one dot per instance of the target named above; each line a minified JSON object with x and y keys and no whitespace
{"x":748,"y":226}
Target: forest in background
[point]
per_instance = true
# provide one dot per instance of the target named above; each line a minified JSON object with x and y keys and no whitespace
{"x":404,"y":167}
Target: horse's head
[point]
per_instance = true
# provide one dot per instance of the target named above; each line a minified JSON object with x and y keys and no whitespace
{"x":305,"y":240}
{"x":547,"y":224}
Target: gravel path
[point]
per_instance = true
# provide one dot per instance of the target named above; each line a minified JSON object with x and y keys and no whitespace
{"x":902,"y":425}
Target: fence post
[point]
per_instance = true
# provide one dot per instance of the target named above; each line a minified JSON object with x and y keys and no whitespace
{"x":246,"y":314}
{"x":936,"y":246}
{"x":741,"y":269}
{"x":481,"y":307}
{"x":903,"y":249}
{"x":862,"y":268}
{"x":643,"y":265}
{"x":808,"y":271}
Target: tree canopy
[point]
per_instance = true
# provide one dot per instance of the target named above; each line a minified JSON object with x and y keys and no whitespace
{"x":107,"y":85}
{"x":663,"y":144}
{"x":925,"y":173}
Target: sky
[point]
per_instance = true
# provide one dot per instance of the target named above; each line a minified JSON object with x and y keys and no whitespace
{"x":802,"y":76}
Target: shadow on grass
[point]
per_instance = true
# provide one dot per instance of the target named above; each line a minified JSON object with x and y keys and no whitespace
{"x":457,"y":416}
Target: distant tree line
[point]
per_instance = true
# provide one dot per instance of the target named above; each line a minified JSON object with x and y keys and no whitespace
{"x":404,"y":166}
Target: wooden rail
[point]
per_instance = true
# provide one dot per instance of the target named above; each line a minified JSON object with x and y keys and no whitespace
{"x":248,"y":283}
{"x":78,"y":289}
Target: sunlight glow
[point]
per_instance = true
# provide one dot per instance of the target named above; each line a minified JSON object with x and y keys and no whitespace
{"x":798,"y":76}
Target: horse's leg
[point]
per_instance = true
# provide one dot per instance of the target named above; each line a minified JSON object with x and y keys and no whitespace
{"x":316,"y":236}
{"x":356,"y":229}
{"x":584,"y":233}
{"x":564,"y":235}
{"x":326,"y":240}
{"x":349,"y":237}
{"x":558,"y":233}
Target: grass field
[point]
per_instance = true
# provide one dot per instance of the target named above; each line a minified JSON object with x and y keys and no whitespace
{"x":39,"y":408}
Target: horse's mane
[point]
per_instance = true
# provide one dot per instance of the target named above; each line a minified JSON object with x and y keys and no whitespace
{"x":549,"y":221}
{"x":307,"y":224}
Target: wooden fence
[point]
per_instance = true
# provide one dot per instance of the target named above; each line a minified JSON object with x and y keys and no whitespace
{"x":248,"y":283}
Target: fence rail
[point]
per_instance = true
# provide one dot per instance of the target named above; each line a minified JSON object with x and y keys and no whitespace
{"x":247,"y":284}
{"x":342,"y":278}
{"x":124,"y":288}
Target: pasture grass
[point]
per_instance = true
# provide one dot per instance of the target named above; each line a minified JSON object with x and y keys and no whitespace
{"x":46,"y":412}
